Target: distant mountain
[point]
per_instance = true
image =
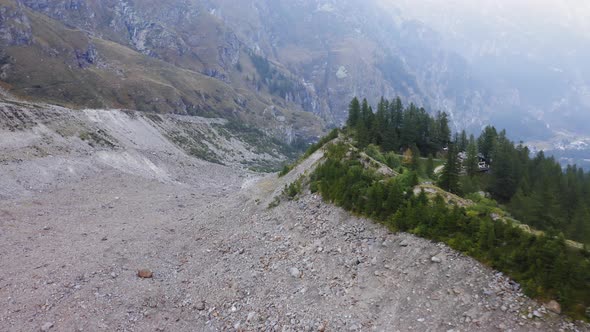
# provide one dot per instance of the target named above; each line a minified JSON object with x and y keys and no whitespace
{"x":532,"y":54}
{"x":285,"y":65}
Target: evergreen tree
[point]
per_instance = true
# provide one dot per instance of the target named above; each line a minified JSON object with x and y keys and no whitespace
{"x":463,"y":142}
{"x":354,"y":113}
{"x":504,"y":173}
{"x":362,"y":135}
{"x":410,"y":127}
{"x":381,"y":122}
{"x":486,"y":235}
{"x":471,"y":162}
{"x":444,"y":132}
{"x":487,"y":142}
{"x":580,"y":225}
{"x":390,"y":139}
{"x":449,"y":179}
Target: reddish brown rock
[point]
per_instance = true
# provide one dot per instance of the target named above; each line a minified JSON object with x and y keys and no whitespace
{"x":554,"y":306}
{"x":145,"y":273}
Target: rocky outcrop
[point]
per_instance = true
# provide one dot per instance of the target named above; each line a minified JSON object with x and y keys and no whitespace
{"x":15,"y":28}
{"x":87,"y":57}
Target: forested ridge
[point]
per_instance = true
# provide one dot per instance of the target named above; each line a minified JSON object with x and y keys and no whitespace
{"x":536,"y":190}
{"x":533,"y":190}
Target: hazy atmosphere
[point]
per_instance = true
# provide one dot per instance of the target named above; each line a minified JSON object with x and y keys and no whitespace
{"x":532,"y":54}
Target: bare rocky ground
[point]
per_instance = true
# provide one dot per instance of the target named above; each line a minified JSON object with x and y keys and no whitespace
{"x":77,"y":222}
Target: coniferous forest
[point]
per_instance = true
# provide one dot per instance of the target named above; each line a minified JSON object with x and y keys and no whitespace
{"x":535,"y":190}
{"x":507,"y":188}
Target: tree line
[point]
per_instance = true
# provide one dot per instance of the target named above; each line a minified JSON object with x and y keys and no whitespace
{"x":394,"y":127}
{"x":534,"y":189}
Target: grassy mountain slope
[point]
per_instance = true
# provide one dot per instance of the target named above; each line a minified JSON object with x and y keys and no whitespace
{"x":71,"y":67}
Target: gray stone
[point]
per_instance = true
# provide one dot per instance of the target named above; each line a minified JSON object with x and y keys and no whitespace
{"x":294,"y":272}
{"x":200,"y":306}
{"x":46,"y":327}
{"x":251,"y":316}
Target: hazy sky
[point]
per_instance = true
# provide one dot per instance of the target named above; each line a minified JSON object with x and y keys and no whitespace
{"x":478,"y":28}
{"x":573,"y":15}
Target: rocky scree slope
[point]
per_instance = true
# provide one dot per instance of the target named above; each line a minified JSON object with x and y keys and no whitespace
{"x":80,"y":216}
{"x":45,"y":145}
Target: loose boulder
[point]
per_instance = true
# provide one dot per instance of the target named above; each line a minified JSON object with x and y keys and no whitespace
{"x":554,"y":306}
{"x":145,"y":274}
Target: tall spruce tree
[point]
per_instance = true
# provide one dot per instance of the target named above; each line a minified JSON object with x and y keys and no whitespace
{"x":463,"y":141}
{"x":381,"y":122}
{"x":471,"y":162}
{"x":444,"y":132}
{"x":487,"y":142}
{"x":449,"y":179}
{"x":354,"y":113}
{"x":504,"y":182}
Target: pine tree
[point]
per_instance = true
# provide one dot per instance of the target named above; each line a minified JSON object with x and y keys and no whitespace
{"x":444,"y":132}
{"x":463,"y":141}
{"x":362,"y":135}
{"x":487,"y":235}
{"x":381,"y":122}
{"x":449,"y":179}
{"x":390,"y":139}
{"x":354,"y":113}
{"x":504,"y":176}
{"x":487,"y":142}
{"x":580,"y":225}
{"x":395,"y":199}
{"x":471,"y":163}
